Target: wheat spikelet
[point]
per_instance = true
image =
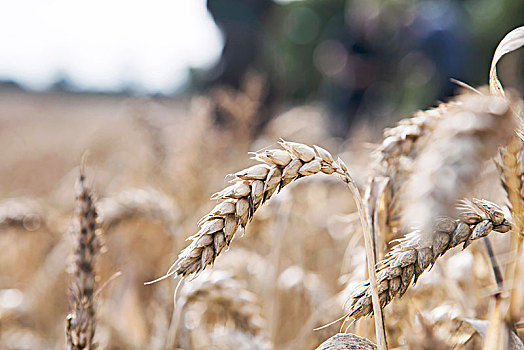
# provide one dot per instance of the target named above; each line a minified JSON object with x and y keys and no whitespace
{"x":251,"y":188}
{"x":347,"y":341}
{"x":21,"y":212}
{"x":406,"y":262}
{"x":133,"y":202}
{"x":81,"y":321}
{"x":452,"y":158}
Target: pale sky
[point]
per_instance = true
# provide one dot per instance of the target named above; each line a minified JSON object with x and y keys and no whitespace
{"x":105,"y":44}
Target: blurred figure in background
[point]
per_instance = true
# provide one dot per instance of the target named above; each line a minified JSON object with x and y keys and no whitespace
{"x":242,"y":23}
{"x":363,"y":59}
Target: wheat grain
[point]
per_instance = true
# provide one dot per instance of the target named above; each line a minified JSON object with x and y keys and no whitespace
{"x":406,"y":262}
{"x":81,"y":321}
{"x":251,"y":188}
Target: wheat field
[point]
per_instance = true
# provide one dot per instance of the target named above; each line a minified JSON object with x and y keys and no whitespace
{"x":306,"y":238}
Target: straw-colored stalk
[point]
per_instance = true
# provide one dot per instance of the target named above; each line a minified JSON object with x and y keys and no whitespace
{"x":511,"y":169}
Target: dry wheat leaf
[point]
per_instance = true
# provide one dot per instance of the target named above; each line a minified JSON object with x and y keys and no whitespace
{"x":514,"y":40}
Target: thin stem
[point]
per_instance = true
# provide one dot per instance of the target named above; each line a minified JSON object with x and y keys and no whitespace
{"x":494,"y":265}
{"x":377,"y":310}
{"x":283,"y":211}
{"x":513,"y":273}
{"x":493,"y":338}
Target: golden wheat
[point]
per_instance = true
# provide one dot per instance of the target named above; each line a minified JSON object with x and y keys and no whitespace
{"x":252,"y":187}
{"x":406,"y":262}
{"x":81,"y":322}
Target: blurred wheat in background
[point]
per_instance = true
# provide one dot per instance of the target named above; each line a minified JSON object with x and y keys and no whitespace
{"x":339,"y":223}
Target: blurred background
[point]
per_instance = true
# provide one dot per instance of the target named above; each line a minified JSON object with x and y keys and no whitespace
{"x":363,"y":60}
{"x":168,"y":97}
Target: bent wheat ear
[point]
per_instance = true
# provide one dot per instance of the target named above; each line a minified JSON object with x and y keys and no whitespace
{"x":406,"y":261}
{"x":250,"y":189}
{"x":81,"y":322}
{"x":452,"y":157}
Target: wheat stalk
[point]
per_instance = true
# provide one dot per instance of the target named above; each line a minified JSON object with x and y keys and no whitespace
{"x":81,"y":321}
{"x":511,"y":175}
{"x":407,"y":260}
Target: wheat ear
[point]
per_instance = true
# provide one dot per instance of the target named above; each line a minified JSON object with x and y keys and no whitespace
{"x":452,"y":158}
{"x":396,"y":154}
{"x":407,"y":260}
{"x":81,"y":321}
{"x":254,"y":186}
{"x":251,"y":188}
